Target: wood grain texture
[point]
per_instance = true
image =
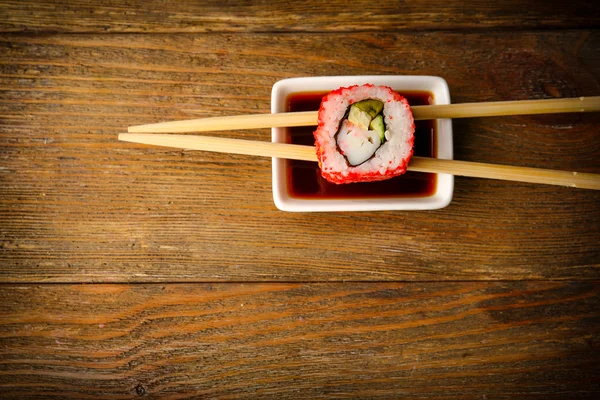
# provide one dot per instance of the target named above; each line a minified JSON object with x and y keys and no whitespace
{"x":154,"y":16}
{"x":360,"y":340}
{"x":76,"y":205}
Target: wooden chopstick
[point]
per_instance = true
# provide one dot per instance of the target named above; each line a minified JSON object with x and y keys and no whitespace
{"x":421,"y":164}
{"x":308,"y":118}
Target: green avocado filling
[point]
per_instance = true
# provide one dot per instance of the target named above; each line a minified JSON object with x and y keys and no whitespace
{"x":366,"y":114}
{"x":378,"y":126}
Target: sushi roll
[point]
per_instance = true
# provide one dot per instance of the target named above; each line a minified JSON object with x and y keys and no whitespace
{"x":364,"y":134}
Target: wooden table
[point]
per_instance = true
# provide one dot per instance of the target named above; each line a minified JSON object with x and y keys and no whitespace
{"x":130,"y":270}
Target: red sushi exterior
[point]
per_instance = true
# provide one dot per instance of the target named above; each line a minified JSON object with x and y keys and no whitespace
{"x":354,"y":175}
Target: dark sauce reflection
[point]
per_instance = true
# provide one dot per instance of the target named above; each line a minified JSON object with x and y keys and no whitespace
{"x":304,"y":178}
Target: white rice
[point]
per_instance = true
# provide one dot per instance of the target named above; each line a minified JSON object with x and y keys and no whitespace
{"x":398,"y":121}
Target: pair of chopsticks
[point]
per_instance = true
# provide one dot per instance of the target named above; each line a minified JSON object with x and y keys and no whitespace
{"x":150,"y":134}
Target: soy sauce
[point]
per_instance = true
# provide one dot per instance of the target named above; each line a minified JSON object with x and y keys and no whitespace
{"x":305,"y":180}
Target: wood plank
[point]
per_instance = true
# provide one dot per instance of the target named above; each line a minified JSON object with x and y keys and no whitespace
{"x":76,"y":205}
{"x":377,"y":340}
{"x":151,"y":16}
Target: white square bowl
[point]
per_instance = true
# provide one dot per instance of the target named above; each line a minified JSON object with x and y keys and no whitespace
{"x":441,"y":197}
